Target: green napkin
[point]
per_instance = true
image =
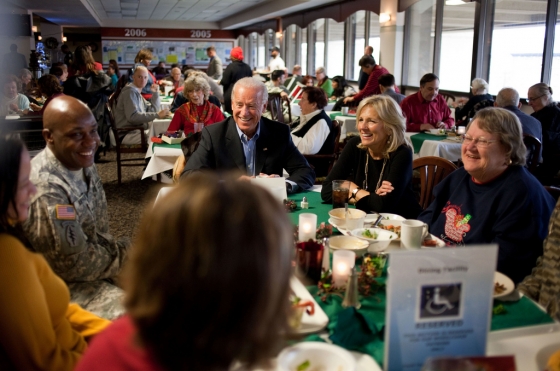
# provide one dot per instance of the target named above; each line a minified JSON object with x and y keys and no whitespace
{"x":353,"y":329}
{"x":518,"y":314}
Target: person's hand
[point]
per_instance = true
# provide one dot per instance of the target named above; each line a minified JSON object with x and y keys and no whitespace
{"x":34,"y":107}
{"x":245,"y":178}
{"x":386,"y":187}
{"x":284,"y":94}
{"x":426,"y":127}
{"x":154,"y":88}
{"x":163,"y":113}
{"x":14,"y":107}
{"x":263,"y":175}
{"x":441,"y":125}
{"x":348,"y":99}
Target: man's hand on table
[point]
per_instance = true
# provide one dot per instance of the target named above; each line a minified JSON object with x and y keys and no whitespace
{"x":426,"y":127}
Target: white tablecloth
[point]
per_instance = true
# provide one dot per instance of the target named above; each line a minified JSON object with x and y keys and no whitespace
{"x":448,"y":148}
{"x":348,"y":125}
{"x":161,"y":159}
{"x":157,"y":127}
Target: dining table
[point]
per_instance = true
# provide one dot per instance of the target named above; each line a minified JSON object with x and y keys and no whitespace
{"x":523,"y":329}
{"x":425,"y":144}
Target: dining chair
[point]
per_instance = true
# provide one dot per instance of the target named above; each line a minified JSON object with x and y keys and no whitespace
{"x":449,"y":98}
{"x":276,"y":107}
{"x":533,"y":145}
{"x":120,"y":148}
{"x":553,"y":191}
{"x":432,"y":170}
{"x":323,"y":164}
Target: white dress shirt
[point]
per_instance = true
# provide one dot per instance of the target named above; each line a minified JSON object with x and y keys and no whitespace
{"x":315,"y":137}
{"x":276,"y":64}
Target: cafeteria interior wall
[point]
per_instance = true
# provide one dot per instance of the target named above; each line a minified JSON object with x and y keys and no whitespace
{"x":25,"y":44}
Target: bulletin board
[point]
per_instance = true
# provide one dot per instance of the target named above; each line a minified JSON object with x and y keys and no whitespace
{"x":184,"y":52}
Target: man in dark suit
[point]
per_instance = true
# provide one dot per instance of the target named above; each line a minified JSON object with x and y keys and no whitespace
{"x":250,"y":143}
{"x":508,"y":98}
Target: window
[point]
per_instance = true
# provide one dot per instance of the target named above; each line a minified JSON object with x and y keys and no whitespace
{"x":304,"y":51}
{"x":335,"y":41}
{"x":374,"y":39}
{"x":320,"y":44}
{"x":290,"y":46}
{"x":517,"y":45}
{"x":456,"y":47}
{"x":359,"y":44}
{"x":555,"y":76}
{"x":261,"y":53}
{"x":421,"y":40}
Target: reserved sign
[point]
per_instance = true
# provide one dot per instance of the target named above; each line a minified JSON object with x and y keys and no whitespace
{"x":439,"y":303}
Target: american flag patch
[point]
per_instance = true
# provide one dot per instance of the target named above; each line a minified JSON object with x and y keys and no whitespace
{"x":66,"y":212}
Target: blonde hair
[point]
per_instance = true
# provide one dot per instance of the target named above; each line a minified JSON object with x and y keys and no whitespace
{"x":480,"y":86}
{"x":392,"y":117}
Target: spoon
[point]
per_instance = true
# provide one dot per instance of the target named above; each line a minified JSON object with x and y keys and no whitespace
{"x":376,"y":223}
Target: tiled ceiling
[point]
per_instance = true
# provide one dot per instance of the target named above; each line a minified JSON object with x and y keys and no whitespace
{"x":162,"y":13}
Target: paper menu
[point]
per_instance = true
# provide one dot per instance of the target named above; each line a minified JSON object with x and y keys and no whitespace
{"x":439,"y":303}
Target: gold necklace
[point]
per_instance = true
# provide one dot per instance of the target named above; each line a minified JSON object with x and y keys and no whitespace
{"x":365,"y":183}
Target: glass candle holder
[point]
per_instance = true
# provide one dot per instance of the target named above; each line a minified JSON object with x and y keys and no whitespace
{"x":307,"y":227}
{"x":343,"y":262}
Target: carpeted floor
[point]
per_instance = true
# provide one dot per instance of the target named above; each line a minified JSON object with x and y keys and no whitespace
{"x":126,"y":202}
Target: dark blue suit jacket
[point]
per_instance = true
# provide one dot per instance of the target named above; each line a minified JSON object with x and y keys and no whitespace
{"x":529,"y":124}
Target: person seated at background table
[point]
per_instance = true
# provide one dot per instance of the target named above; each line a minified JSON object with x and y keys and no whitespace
{"x":426,"y":109}
{"x":132,"y":110}
{"x":159,"y":71}
{"x":39,"y":328}
{"x":50,"y":88}
{"x":323,"y":81}
{"x":313,"y":133}
{"x":378,"y":163}
{"x":250,"y":143}
{"x":115,"y":66}
{"x":175,"y":79}
{"x":547,"y":112}
{"x":227,"y":302}
{"x":143,"y":59}
{"x":68,"y":220}
{"x":341,"y":90}
{"x":113,"y":75}
{"x":508,"y":98}
{"x":543,"y":284}
{"x":296,"y":77}
{"x":308,"y":80}
{"x":179,"y":99}
{"x":12,"y":102}
{"x":26,"y":79}
{"x":198,"y":110}
{"x":276,"y":83}
{"x":493,"y":198}
{"x":368,"y":65}
{"x":465,"y":109}
{"x":60,"y":70}
{"x":387,"y":87}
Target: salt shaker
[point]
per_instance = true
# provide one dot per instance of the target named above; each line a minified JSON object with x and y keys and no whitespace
{"x":304,"y":203}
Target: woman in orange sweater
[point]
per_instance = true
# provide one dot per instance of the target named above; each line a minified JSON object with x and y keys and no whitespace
{"x":39,"y":328}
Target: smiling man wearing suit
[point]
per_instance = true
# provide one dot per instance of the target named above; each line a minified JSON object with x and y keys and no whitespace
{"x":251,"y":143}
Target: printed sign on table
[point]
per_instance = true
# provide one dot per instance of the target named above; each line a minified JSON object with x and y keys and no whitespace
{"x":439,"y":303}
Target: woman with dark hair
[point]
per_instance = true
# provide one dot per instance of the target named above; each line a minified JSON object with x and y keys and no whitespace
{"x":547,"y":112}
{"x":12,"y":102}
{"x":341,"y":88}
{"x":213,"y":299}
{"x":50,"y":88}
{"x":39,"y":328}
{"x":115,"y":65}
{"x":378,"y":163}
{"x":87,"y":82}
{"x":493,"y":198}
{"x":308,"y":80}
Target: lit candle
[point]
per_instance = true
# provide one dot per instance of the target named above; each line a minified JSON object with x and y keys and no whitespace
{"x":461,"y":130}
{"x":307,"y":227}
{"x":343,"y":262}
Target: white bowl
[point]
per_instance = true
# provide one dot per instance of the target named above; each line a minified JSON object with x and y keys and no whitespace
{"x":349,"y":243}
{"x":339,"y":216}
{"x":380,"y":243}
{"x":435,"y":131}
{"x":321,"y":356}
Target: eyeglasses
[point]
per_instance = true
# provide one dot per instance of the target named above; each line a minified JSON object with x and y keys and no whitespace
{"x":480,"y":142}
{"x":534,"y":99}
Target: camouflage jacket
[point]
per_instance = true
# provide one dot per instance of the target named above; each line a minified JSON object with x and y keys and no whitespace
{"x":68,"y":222}
{"x":543,"y":284}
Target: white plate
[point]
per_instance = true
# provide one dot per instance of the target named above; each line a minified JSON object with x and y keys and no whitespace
{"x":12,"y":117}
{"x":437,"y":135}
{"x":504,"y":280}
{"x":318,"y":320}
{"x":439,"y":243}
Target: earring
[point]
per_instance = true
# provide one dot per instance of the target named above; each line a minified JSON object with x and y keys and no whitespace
{"x":389,"y":139}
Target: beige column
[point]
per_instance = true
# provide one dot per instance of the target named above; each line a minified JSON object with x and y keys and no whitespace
{"x":391,"y":39}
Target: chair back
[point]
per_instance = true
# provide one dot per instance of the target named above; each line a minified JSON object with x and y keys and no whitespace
{"x":432,"y":170}
{"x":275,"y":106}
{"x":553,"y":191}
{"x":323,"y":163}
{"x":449,"y":98}
{"x":533,"y":145}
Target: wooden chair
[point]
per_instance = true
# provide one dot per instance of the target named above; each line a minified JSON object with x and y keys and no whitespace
{"x":124,"y":148}
{"x":276,"y":107}
{"x":326,"y":161}
{"x":553,"y":191}
{"x":533,"y":145}
{"x":449,"y":98}
{"x":432,"y":170}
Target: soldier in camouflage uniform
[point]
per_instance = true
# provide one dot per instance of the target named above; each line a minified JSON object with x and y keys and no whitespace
{"x":68,"y":220}
{"x":543,"y":284}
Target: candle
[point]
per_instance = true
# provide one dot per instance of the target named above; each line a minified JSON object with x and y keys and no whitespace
{"x":343,"y":262}
{"x":307,"y":227}
{"x":461,"y":130}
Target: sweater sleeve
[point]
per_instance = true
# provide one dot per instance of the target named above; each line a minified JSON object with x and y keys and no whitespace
{"x":342,"y":169}
{"x":369,"y":89}
{"x":327,"y":87}
{"x":400,"y":176}
{"x":29,"y":297}
{"x":134,"y":115}
{"x":217,"y":116}
{"x":177,"y":122}
{"x":85,"y":323}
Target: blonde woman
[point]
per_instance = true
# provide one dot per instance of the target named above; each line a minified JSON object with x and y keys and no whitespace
{"x":378,"y":162}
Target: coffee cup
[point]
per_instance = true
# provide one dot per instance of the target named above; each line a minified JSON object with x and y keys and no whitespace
{"x":344,"y":110}
{"x":413,"y":233}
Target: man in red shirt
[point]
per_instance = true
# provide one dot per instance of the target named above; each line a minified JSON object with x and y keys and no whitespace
{"x":368,"y":65}
{"x":426,"y":109}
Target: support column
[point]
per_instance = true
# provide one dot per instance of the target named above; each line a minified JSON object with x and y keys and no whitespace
{"x":391,"y":40}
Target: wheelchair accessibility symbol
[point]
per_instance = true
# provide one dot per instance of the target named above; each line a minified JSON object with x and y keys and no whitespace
{"x":440,"y":300}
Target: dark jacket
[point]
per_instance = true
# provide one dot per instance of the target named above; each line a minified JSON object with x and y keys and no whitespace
{"x":235,"y":71}
{"x":220,"y":148}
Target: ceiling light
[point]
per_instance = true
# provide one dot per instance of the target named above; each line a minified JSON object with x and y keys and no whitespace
{"x":39,"y":37}
{"x":384,"y":17}
{"x":34,"y":28}
{"x":64,"y":39}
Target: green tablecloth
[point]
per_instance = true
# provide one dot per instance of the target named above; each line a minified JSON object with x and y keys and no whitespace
{"x":334,"y":114}
{"x":418,"y":139}
{"x":355,"y":328}
{"x":167,"y":145}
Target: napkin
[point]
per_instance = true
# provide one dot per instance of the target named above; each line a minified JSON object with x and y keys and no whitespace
{"x":353,"y":329}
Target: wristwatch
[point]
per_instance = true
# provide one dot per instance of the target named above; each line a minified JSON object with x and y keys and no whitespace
{"x":354,"y":193}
